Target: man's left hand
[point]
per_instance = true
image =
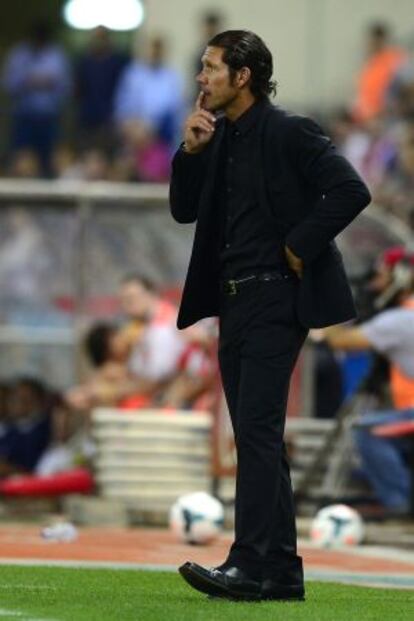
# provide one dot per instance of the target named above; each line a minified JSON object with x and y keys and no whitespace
{"x":294,"y":262}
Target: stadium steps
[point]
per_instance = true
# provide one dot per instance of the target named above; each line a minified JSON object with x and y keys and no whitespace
{"x":145,"y":460}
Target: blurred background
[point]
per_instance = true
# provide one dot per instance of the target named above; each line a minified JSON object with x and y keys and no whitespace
{"x":99,"y":393}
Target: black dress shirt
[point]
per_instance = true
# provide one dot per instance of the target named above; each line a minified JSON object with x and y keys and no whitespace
{"x":249,"y":244}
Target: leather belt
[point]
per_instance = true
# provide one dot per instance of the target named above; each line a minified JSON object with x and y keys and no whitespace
{"x":232,"y":287}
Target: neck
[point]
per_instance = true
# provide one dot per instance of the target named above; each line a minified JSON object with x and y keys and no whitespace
{"x":239,"y":105}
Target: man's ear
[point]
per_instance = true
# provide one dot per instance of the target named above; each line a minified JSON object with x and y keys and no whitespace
{"x":243,"y":76}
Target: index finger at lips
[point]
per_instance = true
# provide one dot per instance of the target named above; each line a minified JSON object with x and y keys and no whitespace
{"x":199,"y":101}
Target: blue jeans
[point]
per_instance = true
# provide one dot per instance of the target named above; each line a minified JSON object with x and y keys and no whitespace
{"x":384,"y":459}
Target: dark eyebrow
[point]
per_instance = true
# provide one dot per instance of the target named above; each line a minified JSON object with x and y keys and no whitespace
{"x":207,"y":63}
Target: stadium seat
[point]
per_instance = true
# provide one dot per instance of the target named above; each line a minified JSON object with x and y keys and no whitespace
{"x":77,"y":481}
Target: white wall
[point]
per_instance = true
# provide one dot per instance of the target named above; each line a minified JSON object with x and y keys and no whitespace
{"x":317,"y":44}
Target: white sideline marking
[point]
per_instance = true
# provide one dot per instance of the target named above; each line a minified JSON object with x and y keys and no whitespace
{"x":30,"y":587}
{"x":4,"y":612}
{"x":375,"y":579}
{"x":85,"y":564}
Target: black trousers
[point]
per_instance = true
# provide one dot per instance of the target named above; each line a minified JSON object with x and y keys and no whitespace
{"x":260,"y":339}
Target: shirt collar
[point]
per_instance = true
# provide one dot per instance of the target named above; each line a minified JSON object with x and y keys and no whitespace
{"x":248,"y":119}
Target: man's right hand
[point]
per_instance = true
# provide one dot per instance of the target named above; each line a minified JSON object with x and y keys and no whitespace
{"x":199,"y":128}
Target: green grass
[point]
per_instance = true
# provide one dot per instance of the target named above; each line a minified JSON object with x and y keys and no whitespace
{"x":49,"y":593}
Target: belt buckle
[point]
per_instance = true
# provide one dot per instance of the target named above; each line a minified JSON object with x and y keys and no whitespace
{"x":232,"y":288}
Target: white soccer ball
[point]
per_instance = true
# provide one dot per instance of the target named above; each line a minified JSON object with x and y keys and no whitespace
{"x":197,"y":518}
{"x":337,"y":526}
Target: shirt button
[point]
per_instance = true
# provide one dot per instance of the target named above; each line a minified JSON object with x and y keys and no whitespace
{"x":227,"y":245}
{"x":237,"y":133}
{"x":230,"y":160}
{"x":229,"y":190}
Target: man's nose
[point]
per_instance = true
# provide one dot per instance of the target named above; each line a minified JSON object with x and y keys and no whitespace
{"x":201,"y":78}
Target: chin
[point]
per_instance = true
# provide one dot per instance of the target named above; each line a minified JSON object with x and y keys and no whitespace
{"x":213,"y":107}
{"x":209,"y":104}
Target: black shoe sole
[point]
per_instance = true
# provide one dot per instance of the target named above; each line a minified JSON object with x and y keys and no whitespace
{"x":196,"y":577}
{"x":276,"y":598}
{"x":259,"y":599}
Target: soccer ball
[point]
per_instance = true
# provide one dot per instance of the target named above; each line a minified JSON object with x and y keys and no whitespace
{"x":336,"y":526}
{"x":196,"y":518}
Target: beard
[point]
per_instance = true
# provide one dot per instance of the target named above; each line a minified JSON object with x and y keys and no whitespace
{"x":219,"y":103}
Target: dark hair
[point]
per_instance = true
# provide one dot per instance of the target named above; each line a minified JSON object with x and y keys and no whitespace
{"x":379,"y":30}
{"x":97,"y":343}
{"x":212,"y":18}
{"x":243,"y":48}
{"x":140,"y":279}
{"x":36,"y":386}
{"x":41,"y":31}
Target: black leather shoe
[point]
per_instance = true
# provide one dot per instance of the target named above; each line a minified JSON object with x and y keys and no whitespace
{"x":272,"y":590}
{"x":231,"y":583}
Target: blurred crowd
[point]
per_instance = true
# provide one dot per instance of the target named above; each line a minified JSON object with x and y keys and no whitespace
{"x":127,"y":113}
{"x":125,"y":110}
{"x":376,"y":131}
{"x":140,"y":361}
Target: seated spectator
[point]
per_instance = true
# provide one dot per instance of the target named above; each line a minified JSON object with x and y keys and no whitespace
{"x":154,"y":358}
{"x":29,"y":427}
{"x":91,"y":164}
{"x":149,"y":156}
{"x":25,"y":164}
{"x":64,"y":162}
{"x":396,"y":192}
{"x":123,"y":167}
{"x":167,"y":368}
{"x":390,"y":333}
{"x":147,"y":362}
{"x":107,"y":350}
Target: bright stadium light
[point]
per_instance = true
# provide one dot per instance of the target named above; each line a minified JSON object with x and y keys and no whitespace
{"x":113,"y":14}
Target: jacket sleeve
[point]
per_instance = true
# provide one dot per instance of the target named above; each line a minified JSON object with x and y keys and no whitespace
{"x":186,"y":183}
{"x":343,"y":194}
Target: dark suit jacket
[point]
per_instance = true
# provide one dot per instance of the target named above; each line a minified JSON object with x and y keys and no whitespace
{"x":308,"y":193}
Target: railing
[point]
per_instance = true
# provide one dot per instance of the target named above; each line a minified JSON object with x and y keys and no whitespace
{"x":65,"y":246}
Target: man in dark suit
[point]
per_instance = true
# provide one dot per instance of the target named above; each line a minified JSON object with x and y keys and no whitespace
{"x":269,"y":193}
